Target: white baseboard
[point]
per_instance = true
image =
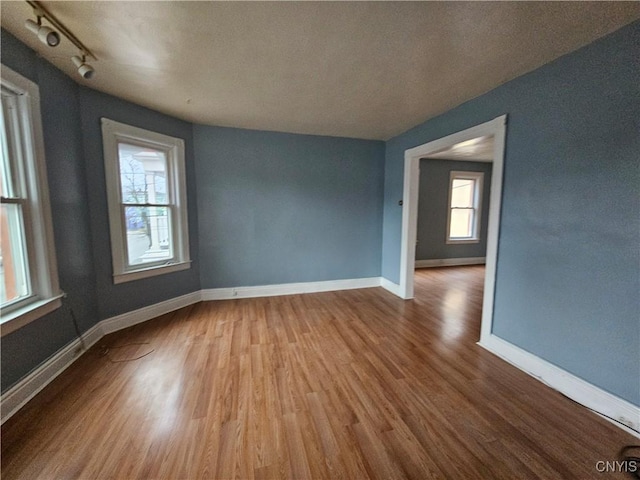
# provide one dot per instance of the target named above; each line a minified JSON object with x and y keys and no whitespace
{"x":390,"y":286}
{"x":129,"y":319}
{"x":27,"y":388}
{"x":568,"y":384}
{"x":288,"y":289}
{"x":450,"y":262}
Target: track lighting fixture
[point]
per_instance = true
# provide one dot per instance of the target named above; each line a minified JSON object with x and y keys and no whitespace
{"x":84,"y":69}
{"x":47,"y":35}
{"x":51,"y":37}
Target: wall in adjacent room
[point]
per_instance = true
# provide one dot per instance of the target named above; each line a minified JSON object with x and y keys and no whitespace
{"x":433,"y":204}
{"x":284,"y":208}
{"x":567,"y":271}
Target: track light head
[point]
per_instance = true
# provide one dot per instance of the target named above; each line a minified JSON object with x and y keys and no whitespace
{"x":47,"y":35}
{"x":84,"y":69}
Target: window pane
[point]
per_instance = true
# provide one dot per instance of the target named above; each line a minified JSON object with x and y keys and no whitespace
{"x":5,"y":169}
{"x":462,"y":193}
{"x":148,"y":234}
{"x":461,"y":223}
{"x":13,"y":260}
{"x":143,"y":174}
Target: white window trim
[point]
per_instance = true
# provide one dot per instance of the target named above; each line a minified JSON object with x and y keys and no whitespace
{"x":41,"y":253}
{"x":477,"y":205}
{"x":112,"y":133}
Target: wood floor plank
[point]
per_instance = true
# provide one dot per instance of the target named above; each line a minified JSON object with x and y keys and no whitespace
{"x":346,"y":385}
{"x":379,"y":463}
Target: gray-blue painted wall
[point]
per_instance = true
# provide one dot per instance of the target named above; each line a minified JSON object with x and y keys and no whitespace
{"x":433,"y":205}
{"x":567,"y":275}
{"x":318,"y":212}
{"x":29,"y":346}
{"x":75,"y":169}
{"x":125,"y":297}
{"x":281,"y":208}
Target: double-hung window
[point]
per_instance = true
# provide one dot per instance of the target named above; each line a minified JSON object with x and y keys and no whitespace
{"x":465,"y":198}
{"x":28,"y":272}
{"x":146,"y":191}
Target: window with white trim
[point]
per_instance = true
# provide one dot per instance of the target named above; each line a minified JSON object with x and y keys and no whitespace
{"x":146,"y":191}
{"x":28,"y":271}
{"x":465,"y":198}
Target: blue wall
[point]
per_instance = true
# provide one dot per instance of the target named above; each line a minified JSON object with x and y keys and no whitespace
{"x":277,"y":208}
{"x":433,"y":206}
{"x":304,"y":208}
{"x":567,"y":275}
{"x":75,"y":169}
{"x":280,"y":208}
{"x":125,"y":297}
{"x":29,"y":346}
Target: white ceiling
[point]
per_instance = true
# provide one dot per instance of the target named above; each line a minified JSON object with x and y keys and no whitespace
{"x":353,"y":69}
{"x":475,"y":150}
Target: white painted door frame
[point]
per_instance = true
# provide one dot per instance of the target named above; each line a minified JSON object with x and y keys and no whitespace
{"x":412,"y":156}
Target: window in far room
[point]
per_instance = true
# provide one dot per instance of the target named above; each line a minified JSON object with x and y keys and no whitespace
{"x":465,"y":197}
{"x":146,"y":189}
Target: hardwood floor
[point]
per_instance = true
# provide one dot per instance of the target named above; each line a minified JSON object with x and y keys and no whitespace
{"x":354,"y":384}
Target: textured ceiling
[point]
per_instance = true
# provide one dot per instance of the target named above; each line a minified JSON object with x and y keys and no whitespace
{"x":354,"y":69}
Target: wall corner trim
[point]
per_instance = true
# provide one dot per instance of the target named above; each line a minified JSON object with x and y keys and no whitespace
{"x":390,"y":286}
{"x":584,"y":393}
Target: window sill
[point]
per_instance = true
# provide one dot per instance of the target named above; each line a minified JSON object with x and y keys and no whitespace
{"x":27,"y":314}
{"x":150,"y":272}
{"x":453,"y":241}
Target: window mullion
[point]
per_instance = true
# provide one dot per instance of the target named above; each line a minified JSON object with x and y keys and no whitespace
{"x":132,"y":204}
{"x":13,"y":200}
{"x":125,"y":245}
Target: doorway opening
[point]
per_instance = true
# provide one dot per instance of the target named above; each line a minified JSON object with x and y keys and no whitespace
{"x":494,"y":129}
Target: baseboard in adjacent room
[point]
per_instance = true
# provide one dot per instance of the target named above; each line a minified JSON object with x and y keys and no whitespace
{"x":450,"y":262}
{"x":594,"y":398}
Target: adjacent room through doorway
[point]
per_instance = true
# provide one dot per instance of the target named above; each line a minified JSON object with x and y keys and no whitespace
{"x":460,"y":203}
{"x":451,"y":236}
